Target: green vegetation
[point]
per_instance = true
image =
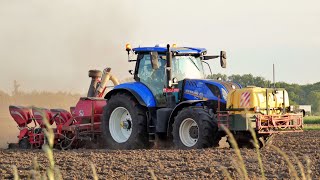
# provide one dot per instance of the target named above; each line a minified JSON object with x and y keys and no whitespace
{"x":299,"y":94}
{"x":311,"y":127}
{"x":311,"y":123}
{"x":312,"y":120}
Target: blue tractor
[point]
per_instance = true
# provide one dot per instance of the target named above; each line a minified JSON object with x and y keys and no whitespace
{"x":170,"y":101}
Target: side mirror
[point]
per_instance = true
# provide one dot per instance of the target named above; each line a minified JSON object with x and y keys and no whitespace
{"x":223,"y":59}
{"x":154,"y":60}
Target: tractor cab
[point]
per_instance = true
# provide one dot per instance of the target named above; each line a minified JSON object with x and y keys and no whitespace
{"x":154,"y":65}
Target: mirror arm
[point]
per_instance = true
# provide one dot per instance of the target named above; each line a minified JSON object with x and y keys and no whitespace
{"x":208,"y":66}
{"x":210,"y":57}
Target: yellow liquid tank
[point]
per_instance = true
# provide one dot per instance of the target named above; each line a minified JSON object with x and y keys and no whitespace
{"x":249,"y":99}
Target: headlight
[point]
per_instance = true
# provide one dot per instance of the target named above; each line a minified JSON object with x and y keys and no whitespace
{"x":224,"y":94}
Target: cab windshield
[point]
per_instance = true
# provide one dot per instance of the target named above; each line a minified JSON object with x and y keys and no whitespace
{"x":187,"y":67}
{"x":155,"y":78}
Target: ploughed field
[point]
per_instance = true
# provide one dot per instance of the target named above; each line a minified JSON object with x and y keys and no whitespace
{"x":182,"y":164}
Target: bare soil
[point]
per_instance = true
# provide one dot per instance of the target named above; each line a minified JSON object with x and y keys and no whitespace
{"x":169,"y":164}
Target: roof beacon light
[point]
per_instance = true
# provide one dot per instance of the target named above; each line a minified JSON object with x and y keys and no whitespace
{"x":128,"y":47}
{"x":174,"y":45}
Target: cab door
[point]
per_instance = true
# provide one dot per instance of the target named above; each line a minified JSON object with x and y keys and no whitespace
{"x":153,"y":78}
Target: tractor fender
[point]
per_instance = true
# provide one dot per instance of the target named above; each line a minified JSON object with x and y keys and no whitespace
{"x":23,"y":133}
{"x":141,"y":92}
{"x":178,"y":108}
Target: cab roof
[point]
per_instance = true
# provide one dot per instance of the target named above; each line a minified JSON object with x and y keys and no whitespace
{"x":178,"y":50}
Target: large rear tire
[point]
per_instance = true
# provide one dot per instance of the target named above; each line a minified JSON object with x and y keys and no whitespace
{"x":194,"y":128}
{"x":124,"y":123}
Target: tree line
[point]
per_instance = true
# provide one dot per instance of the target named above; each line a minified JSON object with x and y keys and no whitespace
{"x":308,"y":94}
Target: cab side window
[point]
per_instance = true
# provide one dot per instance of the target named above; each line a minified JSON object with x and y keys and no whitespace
{"x":145,"y":68}
{"x":154,"y":79}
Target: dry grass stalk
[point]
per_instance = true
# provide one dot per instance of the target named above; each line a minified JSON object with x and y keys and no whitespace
{"x":256,"y":145}
{"x":48,"y":147}
{"x":237,"y":166}
{"x":237,"y":151}
{"x":35,"y":174}
{"x":15,"y":173}
{"x":94,"y":172}
{"x":292,"y":171}
{"x":153,"y":176}
{"x":303,"y":175}
{"x":36,"y":166}
{"x":308,"y":167}
{"x":57,"y":174}
{"x":226,"y":173}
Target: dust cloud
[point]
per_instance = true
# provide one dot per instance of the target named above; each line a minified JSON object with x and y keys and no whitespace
{"x":50,"y":45}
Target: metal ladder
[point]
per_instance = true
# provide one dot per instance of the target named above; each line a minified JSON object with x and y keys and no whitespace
{"x":151,"y":129}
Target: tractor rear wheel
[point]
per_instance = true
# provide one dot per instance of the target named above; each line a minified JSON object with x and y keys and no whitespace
{"x":124,"y":123}
{"x":24,"y":143}
{"x":194,"y":128}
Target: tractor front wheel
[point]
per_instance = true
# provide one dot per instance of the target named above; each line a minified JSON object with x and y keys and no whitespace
{"x":124,"y":123}
{"x":194,"y":128}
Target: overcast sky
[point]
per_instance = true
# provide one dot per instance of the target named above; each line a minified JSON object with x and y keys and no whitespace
{"x":50,"y":45}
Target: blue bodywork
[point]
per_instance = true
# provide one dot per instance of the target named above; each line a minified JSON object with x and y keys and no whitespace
{"x":178,"y":50}
{"x":194,"y":89}
{"x":139,"y":89}
{"x":197,"y":89}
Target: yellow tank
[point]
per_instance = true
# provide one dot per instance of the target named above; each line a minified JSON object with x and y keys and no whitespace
{"x":255,"y":98}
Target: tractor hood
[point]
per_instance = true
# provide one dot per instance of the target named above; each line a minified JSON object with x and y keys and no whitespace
{"x":208,"y":89}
